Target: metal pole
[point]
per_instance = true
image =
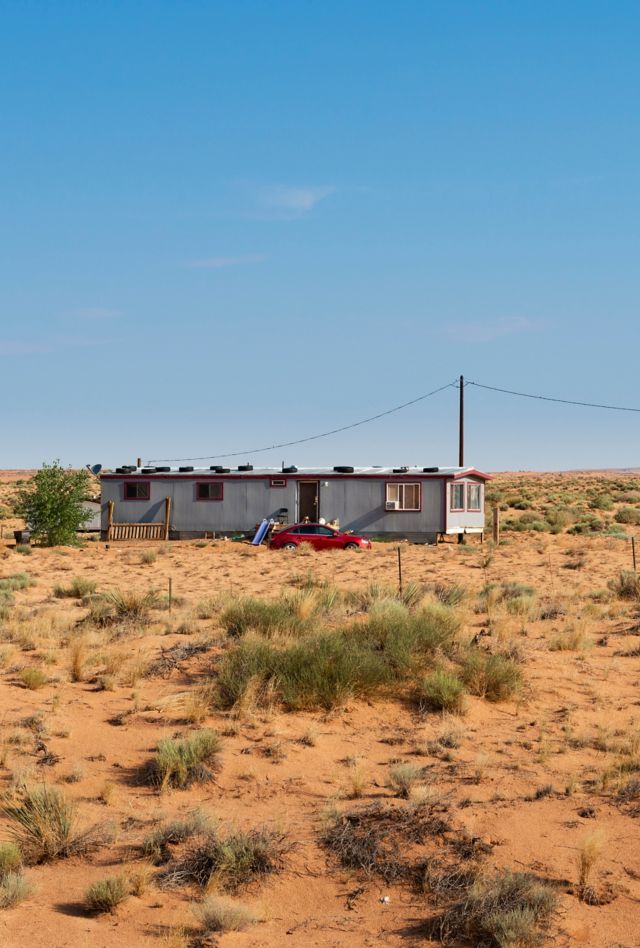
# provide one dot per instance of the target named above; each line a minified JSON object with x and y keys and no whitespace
{"x":461,"y":425}
{"x":399,"y":569}
{"x":633,"y":552}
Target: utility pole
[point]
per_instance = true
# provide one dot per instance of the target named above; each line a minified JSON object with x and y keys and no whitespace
{"x":461,"y":425}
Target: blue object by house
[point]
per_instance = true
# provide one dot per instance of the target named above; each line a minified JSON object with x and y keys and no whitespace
{"x":261,"y":533}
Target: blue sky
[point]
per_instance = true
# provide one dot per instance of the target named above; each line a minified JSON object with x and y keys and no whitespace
{"x":229,"y":224}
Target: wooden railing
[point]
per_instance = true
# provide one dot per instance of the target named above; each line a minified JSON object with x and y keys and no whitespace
{"x":138,"y":531}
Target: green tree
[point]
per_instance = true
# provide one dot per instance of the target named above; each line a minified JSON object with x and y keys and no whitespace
{"x":52,"y":504}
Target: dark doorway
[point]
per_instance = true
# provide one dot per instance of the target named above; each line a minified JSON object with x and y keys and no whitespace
{"x":308,"y":500}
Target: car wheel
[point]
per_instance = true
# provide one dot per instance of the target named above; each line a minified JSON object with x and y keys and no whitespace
{"x":351,"y":546}
{"x":289,"y":546}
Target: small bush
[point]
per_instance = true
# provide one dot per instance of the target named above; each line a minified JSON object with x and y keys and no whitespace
{"x":23,"y":548}
{"x":156,"y":845}
{"x":451,"y":594}
{"x":180,"y":763}
{"x":33,"y":678}
{"x":132,"y":605}
{"x":107,"y":894}
{"x":629,"y":515}
{"x":506,"y":910}
{"x":402,"y":777}
{"x":493,"y":677}
{"x":441,"y":691}
{"x":220,"y":914}
{"x":16,"y":581}
{"x":10,"y":859}
{"x":14,"y":888}
{"x":572,"y":639}
{"x":626,"y":585}
{"x":78,"y":588}
{"x":53,"y":504}
{"x":44,"y":826}
{"x":148,"y":557}
{"x":229,"y":861}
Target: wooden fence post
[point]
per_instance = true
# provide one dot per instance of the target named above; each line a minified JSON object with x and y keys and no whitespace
{"x":167,"y":517}
{"x":400,"y":570}
{"x":110,"y":506}
{"x":633,"y":552}
{"x":496,"y":525}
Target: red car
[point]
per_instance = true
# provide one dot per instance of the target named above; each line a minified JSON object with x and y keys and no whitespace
{"x":319,"y":536}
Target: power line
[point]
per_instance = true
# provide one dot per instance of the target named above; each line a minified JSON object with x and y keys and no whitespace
{"x":324,"y":434}
{"x":549,"y":398}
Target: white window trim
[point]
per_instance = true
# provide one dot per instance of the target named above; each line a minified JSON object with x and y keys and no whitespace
{"x":403,"y":509}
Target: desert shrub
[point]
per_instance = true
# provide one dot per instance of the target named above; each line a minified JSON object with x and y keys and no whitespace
{"x":155,"y":846}
{"x":106,"y":894}
{"x":319,"y":672}
{"x":23,"y":548}
{"x":402,"y":778}
{"x":601,"y":502}
{"x":260,"y":615}
{"x":132,"y":605}
{"x":571,"y":639}
{"x":78,"y":588}
{"x":228,"y":861}
{"x":507,"y":909}
{"x":33,"y":678}
{"x":627,"y":497}
{"x":10,"y":859}
{"x":451,"y":594}
{"x":626,"y":585}
{"x":588,"y":523}
{"x":180,"y":763}
{"x":441,"y":691}
{"x":220,"y":914}
{"x":44,"y":826}
{"x":16,"y":581}
{"x":628,"y":515}
{"x":52,"y":504}
{"x":14,"y":888}
{"x":531,"y":520}
{"x":375,"y":839}
{"x":148,"y":557}
{"x":514,"y":590}
{"x":519,"y":605}
{"x":493,"y":677}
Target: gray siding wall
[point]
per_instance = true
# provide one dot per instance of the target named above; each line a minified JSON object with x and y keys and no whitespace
{"x":358,"y":503}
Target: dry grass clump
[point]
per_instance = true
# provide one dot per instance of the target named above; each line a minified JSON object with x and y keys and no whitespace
{"x":377,"y":839}
{"x":220,"y":914}
{"x":106,"y":894}
{"x":44,"y":826}
{"x":33,"y":678}
{"x":227,"y":862}
{"x":572,"y":639}
{"x":441,"y":691}
{"x":451,"y":594}
{"x":148,"y":557}
{"x":180,"y":763}
{"x":493,"y":677}
{"x":402,"y":778}
{"x":626,"y":585}
{"x":588,"y":855}
{"x":78,"y":588}
{"x":156,"y":845}
{"x":131,"y":605}
{"x":507,"y":909}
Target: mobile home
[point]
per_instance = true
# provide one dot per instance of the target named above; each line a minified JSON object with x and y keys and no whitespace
{"x":420,"y":504}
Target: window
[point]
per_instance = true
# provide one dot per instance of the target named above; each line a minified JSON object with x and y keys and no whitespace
{"x":457,"y":496}
{"x":278,"y":482}
{"x":137,"y":490}
{"x":209,"y":490}
{"x":474,"y":496}
{"x":403,"y":497}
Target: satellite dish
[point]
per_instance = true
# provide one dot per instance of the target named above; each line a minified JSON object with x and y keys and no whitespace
{"x":94,"y":468}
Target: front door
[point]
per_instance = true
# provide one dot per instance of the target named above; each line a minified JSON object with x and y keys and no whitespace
{"x":308,"y":501}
